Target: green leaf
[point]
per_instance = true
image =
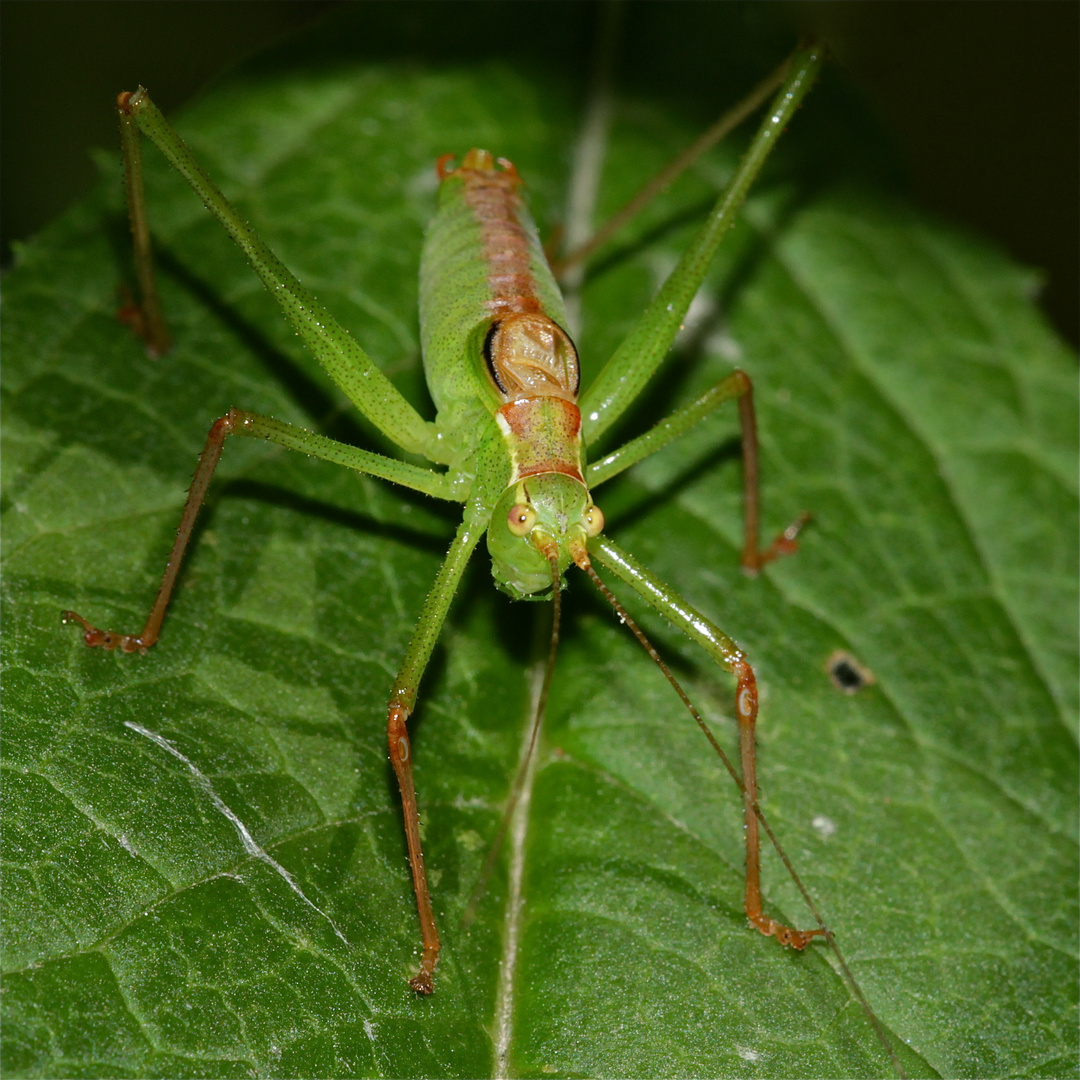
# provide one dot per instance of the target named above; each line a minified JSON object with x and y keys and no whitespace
{"x":205,"y":869}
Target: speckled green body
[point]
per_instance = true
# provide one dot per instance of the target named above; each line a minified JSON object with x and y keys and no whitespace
{"x":504,"y":376}
{"x":501,"y":369}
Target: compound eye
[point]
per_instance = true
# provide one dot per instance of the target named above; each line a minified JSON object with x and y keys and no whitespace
{"x":521,"y":519}
{"x":593,"y":520}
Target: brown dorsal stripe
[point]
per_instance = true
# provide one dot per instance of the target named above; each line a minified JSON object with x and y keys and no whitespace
{"x":493,"y":198}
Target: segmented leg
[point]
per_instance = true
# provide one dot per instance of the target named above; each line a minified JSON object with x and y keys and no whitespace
{"x":401,"y":758}
{"x":737,"y":386}
{"x":145,"y":317}
{"x":728,"y":655}
{"x":402,"y":703}
{"x":746,"y":706}
{"x":345,"y":361}
{"x":238,"y":422}
{"x":624,"y":376}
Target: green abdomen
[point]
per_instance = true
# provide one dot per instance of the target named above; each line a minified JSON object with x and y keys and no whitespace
{"x":481,"y":260}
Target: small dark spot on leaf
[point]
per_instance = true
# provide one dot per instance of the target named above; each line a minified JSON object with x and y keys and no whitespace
{"x":846,"y":673}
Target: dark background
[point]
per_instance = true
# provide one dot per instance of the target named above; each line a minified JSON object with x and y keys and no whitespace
{"x":981,"y":98}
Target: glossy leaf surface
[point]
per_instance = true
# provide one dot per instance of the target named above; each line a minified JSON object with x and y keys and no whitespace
{"x":205,"y":870}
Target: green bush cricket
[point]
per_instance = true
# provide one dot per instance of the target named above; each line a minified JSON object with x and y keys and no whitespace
{"x":503,"y":374}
